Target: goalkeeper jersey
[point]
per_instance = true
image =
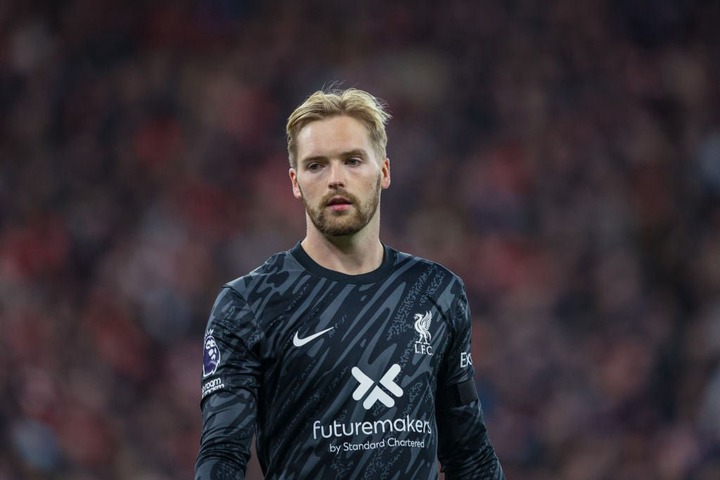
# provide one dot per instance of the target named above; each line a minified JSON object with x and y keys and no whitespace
{"x":342,"y":376}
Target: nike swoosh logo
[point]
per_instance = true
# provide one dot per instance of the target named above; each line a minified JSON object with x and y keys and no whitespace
{"x":299,"y":342}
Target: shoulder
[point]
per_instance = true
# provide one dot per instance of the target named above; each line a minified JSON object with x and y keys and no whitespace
{"x":276,"y":270}
{"x":240,"y":301}
{"x":247,"y":293}
{"x":442,"y":286}
{"x":430,"y":267}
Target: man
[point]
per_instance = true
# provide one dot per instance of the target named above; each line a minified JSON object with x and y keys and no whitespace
{"x":346,"y":358}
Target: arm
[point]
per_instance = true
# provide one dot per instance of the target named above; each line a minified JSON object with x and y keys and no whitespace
{"x":227,"y":431}
{"x":464,"y":449}
{"x":231,"y":372}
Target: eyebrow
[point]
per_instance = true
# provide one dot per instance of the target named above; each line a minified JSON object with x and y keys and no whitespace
{"x":356,"y":152}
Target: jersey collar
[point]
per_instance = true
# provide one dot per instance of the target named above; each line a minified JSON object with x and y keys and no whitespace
{"x":370,"y":277}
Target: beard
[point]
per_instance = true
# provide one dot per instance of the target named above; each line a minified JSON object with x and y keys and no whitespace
{"x":349,"y":222}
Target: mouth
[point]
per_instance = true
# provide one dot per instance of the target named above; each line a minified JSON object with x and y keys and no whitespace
{"x":338,"y":203}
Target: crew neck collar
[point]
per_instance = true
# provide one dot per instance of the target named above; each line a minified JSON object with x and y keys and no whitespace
{"x":370,"y":277}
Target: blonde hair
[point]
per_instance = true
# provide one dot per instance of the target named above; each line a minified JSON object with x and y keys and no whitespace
{"x":358,"y":104}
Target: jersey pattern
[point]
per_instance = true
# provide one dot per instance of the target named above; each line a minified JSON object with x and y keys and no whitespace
{"x":340,"y":376}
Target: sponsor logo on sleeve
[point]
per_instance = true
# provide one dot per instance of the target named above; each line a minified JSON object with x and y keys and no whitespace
{"x":211,"y":355}
{"x":211,"y":360}
{"x":465,"y":360}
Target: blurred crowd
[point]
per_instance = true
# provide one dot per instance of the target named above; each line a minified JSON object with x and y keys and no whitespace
{"x":563,"y":157}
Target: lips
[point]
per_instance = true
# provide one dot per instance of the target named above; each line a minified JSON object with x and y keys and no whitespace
{"x":337,"y":200}
{"x":339,"y":203}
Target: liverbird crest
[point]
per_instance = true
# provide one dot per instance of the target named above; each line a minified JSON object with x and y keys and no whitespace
{"x":422,"y":326}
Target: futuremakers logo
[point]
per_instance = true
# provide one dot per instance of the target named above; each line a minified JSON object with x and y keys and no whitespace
{"x":404,"y":431}
{"x":377,"y":393}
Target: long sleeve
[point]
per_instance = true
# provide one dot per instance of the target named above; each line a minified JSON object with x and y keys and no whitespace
{"x":228,"y":426}
{"x":231,"y":372}
{"x":464,"y":449}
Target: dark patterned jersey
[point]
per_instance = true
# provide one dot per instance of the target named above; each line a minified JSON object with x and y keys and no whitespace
{"x":342,"y":376}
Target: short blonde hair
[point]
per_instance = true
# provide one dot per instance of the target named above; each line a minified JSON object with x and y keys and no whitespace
{"x":358,"y":104}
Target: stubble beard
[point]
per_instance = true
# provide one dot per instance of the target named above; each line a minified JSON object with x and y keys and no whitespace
{"x":344,"y":223}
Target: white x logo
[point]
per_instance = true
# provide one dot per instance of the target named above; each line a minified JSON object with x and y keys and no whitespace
{"x":387,"y":381}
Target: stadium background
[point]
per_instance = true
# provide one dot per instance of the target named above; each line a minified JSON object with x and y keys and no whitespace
{"x":563,"y":157}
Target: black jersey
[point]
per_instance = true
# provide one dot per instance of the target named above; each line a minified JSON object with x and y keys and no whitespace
{"x":342,"y":376}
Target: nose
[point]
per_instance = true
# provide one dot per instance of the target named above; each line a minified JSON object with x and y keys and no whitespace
{"x":337,"y":176}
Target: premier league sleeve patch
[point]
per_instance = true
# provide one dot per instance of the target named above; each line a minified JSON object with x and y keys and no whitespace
{"x":211,"y":355}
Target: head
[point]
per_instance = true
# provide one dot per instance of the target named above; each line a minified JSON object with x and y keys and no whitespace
{"x":358,"y":104}
{"x":338,"y":164}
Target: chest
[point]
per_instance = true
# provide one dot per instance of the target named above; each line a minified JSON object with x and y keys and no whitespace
{"x":362,"y":336}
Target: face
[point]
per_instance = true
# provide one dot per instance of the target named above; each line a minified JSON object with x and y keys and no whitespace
{"x":339,"y":176}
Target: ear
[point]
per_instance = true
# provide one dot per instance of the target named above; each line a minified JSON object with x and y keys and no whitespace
{"x":297,"y":193}
{"x":385,"y":172}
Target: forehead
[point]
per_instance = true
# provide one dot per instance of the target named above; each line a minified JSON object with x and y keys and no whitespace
{"x":333,"y":135}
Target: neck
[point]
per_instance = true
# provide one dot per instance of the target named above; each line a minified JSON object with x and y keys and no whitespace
{"x":350,"y":254}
